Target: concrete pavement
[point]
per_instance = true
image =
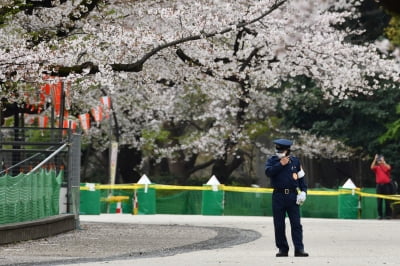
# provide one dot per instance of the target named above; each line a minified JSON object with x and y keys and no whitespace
{"x":329,"y":241}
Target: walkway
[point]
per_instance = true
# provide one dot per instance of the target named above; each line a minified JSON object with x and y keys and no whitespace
{"x":185,"y":240}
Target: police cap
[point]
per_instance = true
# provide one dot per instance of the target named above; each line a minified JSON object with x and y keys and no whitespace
{"x":282,"y":144}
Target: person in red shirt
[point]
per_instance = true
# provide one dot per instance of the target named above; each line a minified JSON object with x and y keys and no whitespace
{"x":383,"y":184}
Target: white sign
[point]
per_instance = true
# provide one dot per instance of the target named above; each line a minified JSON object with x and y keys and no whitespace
{"x":113,"y":161}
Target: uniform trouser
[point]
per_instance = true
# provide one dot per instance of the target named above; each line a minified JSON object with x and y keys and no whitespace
{"x":385,"y":189}
{"x":282,"y":204}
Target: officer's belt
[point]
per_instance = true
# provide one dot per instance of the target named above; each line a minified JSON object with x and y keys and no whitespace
{"x":285,"y":190}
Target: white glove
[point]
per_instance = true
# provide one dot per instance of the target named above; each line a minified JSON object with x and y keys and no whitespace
{"x":301,"y":198}
{"x":301,"y":173}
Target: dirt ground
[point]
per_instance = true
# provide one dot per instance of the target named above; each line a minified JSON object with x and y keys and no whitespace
{"x":108,"y":241}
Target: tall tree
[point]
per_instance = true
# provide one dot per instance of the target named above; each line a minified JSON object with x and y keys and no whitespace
{"x":151,"y":57}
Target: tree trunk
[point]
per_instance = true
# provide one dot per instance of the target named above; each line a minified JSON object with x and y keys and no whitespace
{"x":223,"y":168}
{"x":182,"y":169}
{"x":128,"y":163}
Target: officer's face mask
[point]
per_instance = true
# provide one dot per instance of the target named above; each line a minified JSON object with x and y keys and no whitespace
{"x":280,"y":153}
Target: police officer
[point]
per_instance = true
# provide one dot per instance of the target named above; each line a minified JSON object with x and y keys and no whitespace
{"x":290,"y":188}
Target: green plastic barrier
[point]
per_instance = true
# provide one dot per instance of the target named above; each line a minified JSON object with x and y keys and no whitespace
{"x":348,"y":205}
{"x":126,"y":205}
{"x":104,"y":206}
{"x":107,"y":206}
{"x":212,"y":203}
{"x":247,"y":203}
{"x":174,"y":200}
{"x":89,"y":200}
{"x":369,"y":205}
{"x":178,"y":202}
{"x":320,"y":206}
{"x":146,"y":200}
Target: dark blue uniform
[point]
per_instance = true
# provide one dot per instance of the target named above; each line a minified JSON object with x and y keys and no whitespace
{"x":285,"y":181}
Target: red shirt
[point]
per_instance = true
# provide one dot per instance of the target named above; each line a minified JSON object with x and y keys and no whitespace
{"x":382,"y":173}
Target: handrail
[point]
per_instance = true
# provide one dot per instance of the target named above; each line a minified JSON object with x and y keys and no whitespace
{"x":48,"y":158}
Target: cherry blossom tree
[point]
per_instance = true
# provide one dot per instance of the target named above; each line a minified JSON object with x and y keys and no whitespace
{"x":189,"y":80}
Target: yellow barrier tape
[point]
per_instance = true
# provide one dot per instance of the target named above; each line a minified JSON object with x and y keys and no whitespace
{"x":115,"y":198}
{"x":241,"y":189}
{"x":373,"y":195}
{"x":172,"y":187}
{"x":323,"y":193}
{"x":246,"y":189}
{"x":138,"y":186}
{"x":119,"y":186}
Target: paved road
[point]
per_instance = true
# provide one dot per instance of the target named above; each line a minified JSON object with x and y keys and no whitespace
{"x":185,"y":240}
{"x":329,"y":242}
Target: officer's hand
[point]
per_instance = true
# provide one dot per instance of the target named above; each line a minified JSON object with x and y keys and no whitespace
{"x":301,"y":198}
{"x":285,"y":160}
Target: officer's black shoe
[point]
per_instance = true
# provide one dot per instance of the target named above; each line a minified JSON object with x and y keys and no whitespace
{"x":300,"y":253}
{"x":282,"y":253}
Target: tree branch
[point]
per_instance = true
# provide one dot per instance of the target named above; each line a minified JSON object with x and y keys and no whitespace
{"x":201,"y":166}
{"x":138,"y":65}
{"x":248,"y":59}
{"x":63,"y":29}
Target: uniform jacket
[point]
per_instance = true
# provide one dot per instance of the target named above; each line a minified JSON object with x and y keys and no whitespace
{"x":284,"y":176}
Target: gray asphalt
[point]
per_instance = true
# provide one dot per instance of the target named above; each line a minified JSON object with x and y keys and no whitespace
{"x":180,"y":240}
{"x":329,"y":242}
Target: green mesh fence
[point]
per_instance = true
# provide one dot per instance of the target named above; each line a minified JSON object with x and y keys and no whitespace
{"x":27,"y":197}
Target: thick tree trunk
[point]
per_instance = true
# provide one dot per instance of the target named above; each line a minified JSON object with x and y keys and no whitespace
{"x":182,"y":169}
{"x":129,"y":160}
{"x":223,"y":168}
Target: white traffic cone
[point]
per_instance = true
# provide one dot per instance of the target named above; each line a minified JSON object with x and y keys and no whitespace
{"x":119,"y":208}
